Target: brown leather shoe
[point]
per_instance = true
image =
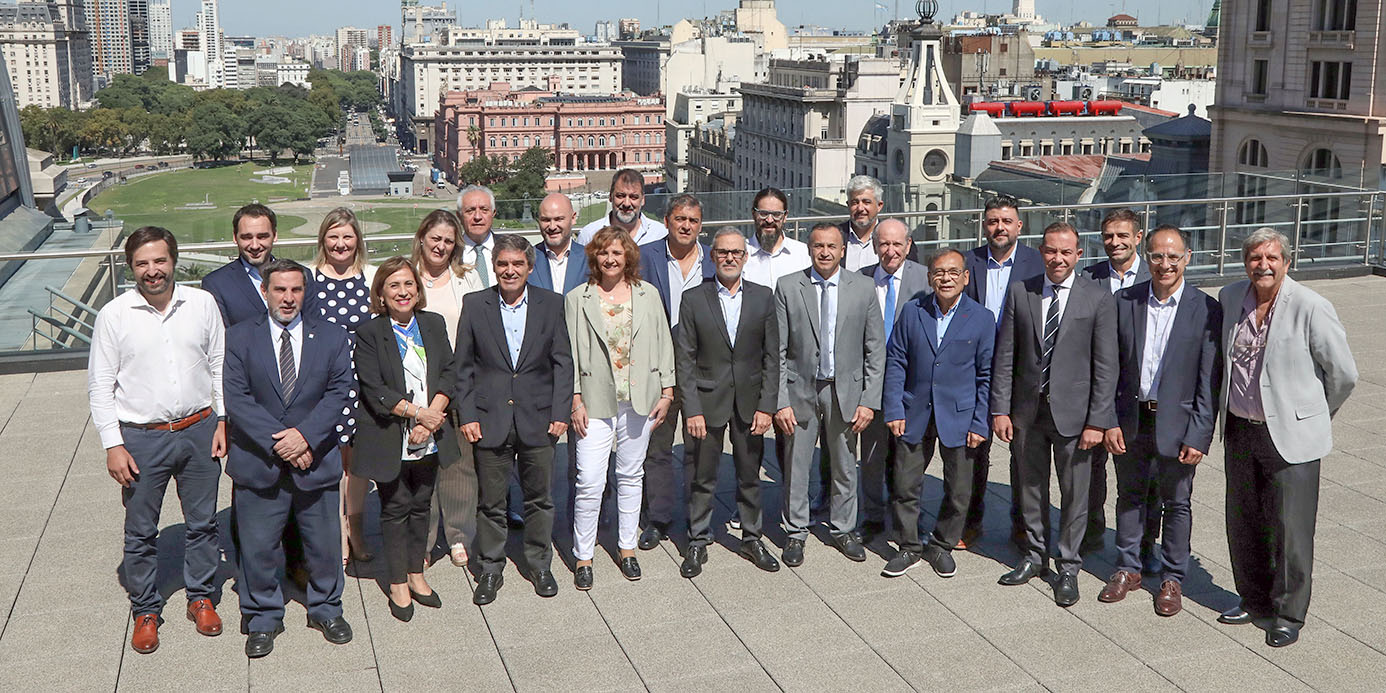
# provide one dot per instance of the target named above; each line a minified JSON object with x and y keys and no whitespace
{"x":146,"y":636}
{"x":202,"y":613}
{"x":970,"y":537}
{"x":1124,"y":581}
{"x":1169,"y":601}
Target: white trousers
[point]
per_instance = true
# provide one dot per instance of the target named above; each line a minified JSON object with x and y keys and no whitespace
{"x":630,"y":432}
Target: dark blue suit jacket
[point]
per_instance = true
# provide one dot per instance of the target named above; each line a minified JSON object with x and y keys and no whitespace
{"x":256,"y":409}
{"x":1101,"y":272}
{"x":239,"y":300}
{"x":951,"y":382}
{"x":654,"y":268}
{"x":1028,"y":263}
{"x":1190,"y":372}
{"x":576,"y":270}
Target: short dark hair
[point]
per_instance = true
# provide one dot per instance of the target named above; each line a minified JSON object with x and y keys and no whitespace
{"x":770,"y":192}
{"x":1060,"y":227}
{"x":945,"y":253}
{"x":1167,"y":228}
{"x":1001,"y":201}
{"x":629,"y":176}
{"x":682,"y":200}
{"x":150,"y":234}
{"x":825,"y":225}
{"x":516,"y":242}
{"x":280,"y":265}
{"x":1122,"y":214}
{"x":255,"y":210}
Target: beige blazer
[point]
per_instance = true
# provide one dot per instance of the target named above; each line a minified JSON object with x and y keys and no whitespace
{"x":651,"y":351}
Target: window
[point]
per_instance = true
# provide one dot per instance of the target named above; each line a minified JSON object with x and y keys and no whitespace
{"x":1003,"y":72}
{"x":1329,"y":80}
{"x":1259,"y":78}
{"x":1323,"y":162}
{"x":1335,"y":15}
{"x":1252,"y":153}
{"x":1263,"y":10}
{"x":568,"y":141}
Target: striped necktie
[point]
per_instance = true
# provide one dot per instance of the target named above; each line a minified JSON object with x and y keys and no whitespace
{"x":288,"y":375}
{"x":1051,"y":335}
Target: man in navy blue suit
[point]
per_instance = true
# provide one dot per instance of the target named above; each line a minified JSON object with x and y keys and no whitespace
{"x":674,"y":265}
{"x":288,"y":375}
{"x":236,"y":285}
{"x":1168,"y":335}
{"x":992,"y":267}
{"x":937,"y":387}
{"x":558,"y":254}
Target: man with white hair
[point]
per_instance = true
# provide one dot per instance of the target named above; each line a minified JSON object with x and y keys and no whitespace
{"x":865,"y":200}
{"x":476,"y":206}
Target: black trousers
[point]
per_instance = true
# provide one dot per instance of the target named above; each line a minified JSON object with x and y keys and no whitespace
{"x":707,"y":457}
{"x":911,"y":461}
{"x":661,"y":490}
{"x":404,"y":503}
{"x":1036,"y":443}
{"x":1271,"y":510}
{"x":534,"y":466}
{"x":980,"y":458}
{"x":1140,"y":474}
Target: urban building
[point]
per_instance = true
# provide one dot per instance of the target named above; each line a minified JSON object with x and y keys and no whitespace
{"x":715,"y":53}
{"x":989,"y":65}
{"x":349,"y":38}
{"x":691,"y":110}
{"x":384,"y":36}
{"x":604,"y":32}
{"x":25,"y":228}
{"x":37,"y":45}
{"x":924,"y":119}
{"x":582,"y":133}
{"x":294,"y":73}
{"x":627,"y":28}
{"x":160,"y":31}
{"x":711,"y":159}
{"x":424,"y":23}
{"x":109,"y":23}
{"x":213,"y":67}
{"x":138,"y":11}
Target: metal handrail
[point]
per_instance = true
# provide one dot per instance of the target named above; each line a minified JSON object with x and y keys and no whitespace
{"x":81,"y":306}
{"x":53,"y":322}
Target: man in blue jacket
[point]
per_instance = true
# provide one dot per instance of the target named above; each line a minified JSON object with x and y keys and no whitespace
{"x":560,"y":262}
{"x":937,"y":387}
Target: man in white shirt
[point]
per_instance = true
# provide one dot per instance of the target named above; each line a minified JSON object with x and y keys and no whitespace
{"x":627,"y":211}
{"x":154,"y":382}
{"x":772,"y":254}
{"x":865,"y":200}
{"x":476,"y":206}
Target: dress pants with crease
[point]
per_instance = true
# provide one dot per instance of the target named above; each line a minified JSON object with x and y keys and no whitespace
{"x":535,"y":468}
{"x":404,"y":503}
{"x":661,"y":478}
{"x":184,"y":456}
{"x":454,"y":500}
{"x":1097,"y":502}
{"x":707,"y":456}
{"x":261,"y":516}
{"x":630,"y":433}
{"x":1271,"y":512}
{"x":1036,"y":443}
{"x":910,"y":464}
{"x":838,"y":441}
{"x":1143,"y":472}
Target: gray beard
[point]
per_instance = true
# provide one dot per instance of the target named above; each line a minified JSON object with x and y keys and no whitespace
{"x":767,"y":240}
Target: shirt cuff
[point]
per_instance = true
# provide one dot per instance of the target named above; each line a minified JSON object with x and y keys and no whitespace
{"x":111,"y":437}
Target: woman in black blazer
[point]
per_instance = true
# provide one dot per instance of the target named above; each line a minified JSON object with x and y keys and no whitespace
{"x":404,"y":364}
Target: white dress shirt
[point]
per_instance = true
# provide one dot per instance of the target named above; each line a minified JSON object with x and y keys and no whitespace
{"x":147,"y":367}
{"x":558,"y":264}
{"x":679,"y":282}
{"x":731,"y":309}
{"x":649,"y":231}
{"x":1116,"y":281}
{"x":827,"y":340}
{"x":1049,"y":295}
{"x":998,"y":279}
{"x":860,"y":252}
{"x":881,"y":288}
{"x":766,"y":268}
{"x":295,"y":330}
{"x":1159,"y":318}
{"x":488,"y":252}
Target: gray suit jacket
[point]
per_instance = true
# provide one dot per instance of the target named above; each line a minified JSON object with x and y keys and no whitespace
{"x":914,"y":280}
{"x":859,"y":360}
{"x":1083,"y":370}
{"x":1101,"y":272}
{"x":1307,"y":370}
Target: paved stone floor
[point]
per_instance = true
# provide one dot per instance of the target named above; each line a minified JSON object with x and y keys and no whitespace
{"x":828,"y":625}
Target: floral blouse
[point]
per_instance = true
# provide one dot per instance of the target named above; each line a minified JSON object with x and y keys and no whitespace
{"x":618,"y":321}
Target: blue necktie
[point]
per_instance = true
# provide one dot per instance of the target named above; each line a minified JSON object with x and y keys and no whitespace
{"x":890,"y":305}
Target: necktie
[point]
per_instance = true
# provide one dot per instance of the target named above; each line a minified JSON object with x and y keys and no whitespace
{"x":481,"y":267}
{"x":1051,"y":334}
{"x":824,"y":327}
{"x":287,"y":373}
{"x":890,"y":305}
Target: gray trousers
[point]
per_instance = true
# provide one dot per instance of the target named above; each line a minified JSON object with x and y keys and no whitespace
{"x":1036,"y":443}
{"x":839,"y":441}
{"x":454,"y":498}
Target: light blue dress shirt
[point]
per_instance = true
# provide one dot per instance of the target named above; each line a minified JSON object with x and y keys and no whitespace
{"x":513,"y":322}
{"x":256,"y":280}
{"x":731,"y":309}
{"x":1159,"y":318}
{"x":998,"y":278}
{"x":827,"y":340}
{"x":943,"y":321}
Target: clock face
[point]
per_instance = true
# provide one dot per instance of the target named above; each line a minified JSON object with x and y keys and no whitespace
{"x":899,"y":162}
{"x":935,"y":162}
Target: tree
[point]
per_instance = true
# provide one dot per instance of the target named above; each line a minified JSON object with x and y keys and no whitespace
{"x":525,"y":181}
{"x":482,"y":170}
{"x":217,"y":132}
{"x":272,"y":126}
{"x":104,"y":130}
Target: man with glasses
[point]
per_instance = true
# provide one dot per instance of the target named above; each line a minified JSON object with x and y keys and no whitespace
{"x":1167,"y":336}
{"x":772,"y":254}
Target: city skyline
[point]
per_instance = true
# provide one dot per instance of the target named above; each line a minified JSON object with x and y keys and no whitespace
{"x":306,"y":17}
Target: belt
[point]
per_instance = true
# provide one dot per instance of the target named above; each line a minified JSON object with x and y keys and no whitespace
{"x":1253,"y":422}
{"x":1148,"y":405}
{"x":175,"y":425}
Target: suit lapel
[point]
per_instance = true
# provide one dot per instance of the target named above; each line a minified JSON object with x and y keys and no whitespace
{"x":271,"y":362}
{"x":1036,"y":301}
{"x":714,"y":305}
{"x":591,"y":307}
{"x":531,"y":334}
{"x":490,"y":309}
{"x":928,"y":319}
{"x":390,"y":349}
{"x":809,"y":294}
{"x":1139,"y":314}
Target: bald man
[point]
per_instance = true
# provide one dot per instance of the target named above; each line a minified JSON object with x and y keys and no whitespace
{"x":558,"y":255}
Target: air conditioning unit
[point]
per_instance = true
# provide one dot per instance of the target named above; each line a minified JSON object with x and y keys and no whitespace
{"x":1085,"y":93}
{"x":1034,"y":93}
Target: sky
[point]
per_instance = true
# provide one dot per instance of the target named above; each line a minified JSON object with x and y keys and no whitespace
{"x":305,"y":17}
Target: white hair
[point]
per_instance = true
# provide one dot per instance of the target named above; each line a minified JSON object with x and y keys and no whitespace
{"x":1265,"y":235}
{"x":476,"y":188}
{"x":863,"y":182}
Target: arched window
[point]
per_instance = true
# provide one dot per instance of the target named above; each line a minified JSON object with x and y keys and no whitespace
{"x":1323,"y":163}
{"x":493,"y":140}
{"x":526,"y":140}
{"x":601,"y":141}
{"x":591,"y":141}
{"x":568,"y":141}
{"x":1253,"y":153}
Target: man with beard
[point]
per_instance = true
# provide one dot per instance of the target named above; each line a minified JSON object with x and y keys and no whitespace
{"x":154,"y":379}
{"x":864,"y":204}
{"x":561,"y":262}
{"x":991,"y":268}
{"x":476,"y":207}
{"x":627,"y":207}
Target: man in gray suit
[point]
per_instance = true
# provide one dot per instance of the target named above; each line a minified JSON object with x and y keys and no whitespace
{"x":832,"y":357}
{"x":1276,"y":428}
{"x":1053,"y":392}
{"x":897,"y":279}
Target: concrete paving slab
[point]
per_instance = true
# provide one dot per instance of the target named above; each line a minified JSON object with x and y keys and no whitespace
{"x":77,"y":672}
{"x":1134,"y":676}
{"x":1225,"y":670}
{"x":596,"y":661}
{"x":903,"y":611}
{"x":794,"y":632}
{"x":856,"y":668}
{"x":1057,"y":647}
{"x":668,"y":652}
{"x":442,"y":671}
{"x":742,"y":681}
{"x":962,"y":661}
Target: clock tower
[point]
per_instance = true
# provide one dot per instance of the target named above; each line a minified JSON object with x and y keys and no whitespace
{"x":924,"y":117}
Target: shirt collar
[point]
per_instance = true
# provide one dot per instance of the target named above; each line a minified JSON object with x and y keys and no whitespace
{"x":669,"y":253}
{"x":485,"y":242}
{"x":1135,"y":267}
{"x":818,"y":278}
{"x":881,"y":274}
{"x":1173,"y":299}
{"x":945,"y":313}
{"x":567,"y":250}
{"x":722,"y":289}
{"x":993,"y":264}
{"x":1067,"y":283}
{"x":179,"y":295}
{"x":291,"y":327}
{"x":523,"y":302}
{"x":854,"y":239}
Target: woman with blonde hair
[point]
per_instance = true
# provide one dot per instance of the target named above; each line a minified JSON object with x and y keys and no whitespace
{"x":623,"y":384}
{"x":437,"y":255}
{"x":342,"y":280}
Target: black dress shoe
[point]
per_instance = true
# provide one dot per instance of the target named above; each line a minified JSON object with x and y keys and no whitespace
{"x":1023,"y":573}
{"x":486,"y":587}
{"x":755,"y":552}
{"x":849,"y":546}
{"x":1280,"y":636}
{"x":336,"y":631}
{"x":1066,"y":590}
{"x":650,"y":538}
{"x":261,"y":643}
{"x":582,"y":579}
{"x":430,"y":600}
{"x":544,"y":584}
{"x":693,"y":560}
{"x":630,"y":568}
{"x":1236,"y":616}
{"x":793,"y":553}
{"x":403,"y":613}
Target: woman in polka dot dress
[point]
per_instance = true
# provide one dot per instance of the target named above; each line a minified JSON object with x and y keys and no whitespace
{"x":342,"y":280}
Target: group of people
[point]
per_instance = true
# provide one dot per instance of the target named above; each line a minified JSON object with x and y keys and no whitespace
{"x":446,"y":379}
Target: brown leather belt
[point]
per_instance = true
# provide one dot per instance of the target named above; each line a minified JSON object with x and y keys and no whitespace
{"x":1149,"y":405}
{"x":171,"y":426}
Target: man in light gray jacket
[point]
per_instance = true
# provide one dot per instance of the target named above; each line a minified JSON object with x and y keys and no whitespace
{"x":1287,"y":369}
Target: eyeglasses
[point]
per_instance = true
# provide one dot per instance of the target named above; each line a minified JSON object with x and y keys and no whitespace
{"x":1166,"y":259}
{"x":950,"y":272}
{"x":770,"y":213}
{"x":736,"y":253}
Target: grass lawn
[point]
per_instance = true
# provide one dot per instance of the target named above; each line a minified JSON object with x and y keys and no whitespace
{"x":155,"y":200}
